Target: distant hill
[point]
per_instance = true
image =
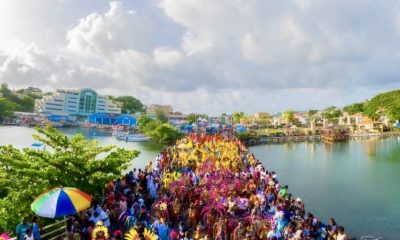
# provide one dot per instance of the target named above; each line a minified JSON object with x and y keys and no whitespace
{"x":23,"y":100}
{"x":387,"y":103}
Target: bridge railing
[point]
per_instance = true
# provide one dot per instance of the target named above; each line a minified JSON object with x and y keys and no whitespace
{"x":57,"y":230}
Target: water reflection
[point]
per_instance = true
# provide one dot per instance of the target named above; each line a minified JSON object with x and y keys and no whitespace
{"x":312,"y":146}
{"x":387,"y":149}
{"x":341,"y":180}
{"x":337,"y":147}
{"x":371,"y":148}
{"x":289,"y":146}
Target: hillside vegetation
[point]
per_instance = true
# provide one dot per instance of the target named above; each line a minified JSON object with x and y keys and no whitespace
{"x":387,"y":103}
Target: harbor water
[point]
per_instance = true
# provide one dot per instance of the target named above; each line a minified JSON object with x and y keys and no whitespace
{"x":355,"y":182}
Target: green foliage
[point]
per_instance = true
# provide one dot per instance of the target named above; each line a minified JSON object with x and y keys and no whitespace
{"x":142,"y":122}
{"x":289,"y":115}
{"x":244,"y":136}
{"x":130,"y":104}
{"x":331,"y":113}
{"x":6,"y":108}
{"x":223,"y":117}
{"x":74,"y":162}
{"x":165,"y":133}
{"x":157,"y":130}
{"x":385,"y":103}
{"x":161,"y":115}
{"x":193,"y":117}
{"x":355,"y":108}
{"x":237,"y":116}
{"x":24,"y":103}
{"x":264,"y":120}
{"x":312,"y":112}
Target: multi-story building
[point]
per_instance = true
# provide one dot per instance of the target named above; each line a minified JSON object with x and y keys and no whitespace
{"x":260,"y":115}
{"x":80,"y":102}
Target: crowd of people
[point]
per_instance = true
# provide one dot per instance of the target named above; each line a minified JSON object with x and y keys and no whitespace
{"x":204,"y":187}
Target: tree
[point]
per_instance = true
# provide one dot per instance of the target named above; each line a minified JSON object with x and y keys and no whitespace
{"x":312,"y":112}
{"x":288,"y":116}
{"x":74,"y":162}
{"x":223,"y":117}
{"x":24,"y":103}
{"x":192,"y":118}
{"x":384,"y":104}
{"x":143,"y":121}
{"x":161,"y":115}
{"x":331,"y":113}
{"x":5,"y":91}
{"x":237,"y":116}
{"x":355,"y":108}
{"x":165,"y":133}
{"x":130,"y":104}
{"x":157,"y":130}
{"x":264,"y":120}
{"x":6,"y":108}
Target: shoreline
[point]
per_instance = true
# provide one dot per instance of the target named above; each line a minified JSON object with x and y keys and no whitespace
{"x":315,"y":138}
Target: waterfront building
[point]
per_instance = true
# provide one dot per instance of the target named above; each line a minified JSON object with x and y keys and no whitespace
{"x":109,"y":119}
{"x":365,"y":124}
{"x":260,"y":115}
{"x":82,"y":102}
{"x":177,"y":117}
{"x":173,"y":117}
{"x":101,"y":118}
{"x":261,"y":118}
{"x":126,"y":120}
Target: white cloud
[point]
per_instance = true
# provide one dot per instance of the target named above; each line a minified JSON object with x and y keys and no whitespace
{"x":117,"y":29}
{"x":33,"y":66}
{"x":166,"y":57}
{"x":210,"y":53}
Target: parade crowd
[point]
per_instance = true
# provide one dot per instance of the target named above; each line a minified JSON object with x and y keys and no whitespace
{"x":204,"y":187}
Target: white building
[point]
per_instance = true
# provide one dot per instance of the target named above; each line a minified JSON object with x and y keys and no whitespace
{"x":80,"y":102}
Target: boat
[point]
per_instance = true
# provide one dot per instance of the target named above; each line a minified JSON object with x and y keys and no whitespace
{"x":132,"y":137}
{"x":335,"y":134}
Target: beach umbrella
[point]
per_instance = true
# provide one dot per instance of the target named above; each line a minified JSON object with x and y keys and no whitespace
{"x":60,"y":202}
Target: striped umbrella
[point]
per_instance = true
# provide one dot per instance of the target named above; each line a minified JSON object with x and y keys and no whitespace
{"x":61,"y":202}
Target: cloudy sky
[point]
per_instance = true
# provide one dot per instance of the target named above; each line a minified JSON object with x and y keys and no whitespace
{"x":207,"y":56}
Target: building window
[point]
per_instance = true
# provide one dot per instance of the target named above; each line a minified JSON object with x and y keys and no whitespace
{"x":56,"y":109}
{"x":55,"y":104}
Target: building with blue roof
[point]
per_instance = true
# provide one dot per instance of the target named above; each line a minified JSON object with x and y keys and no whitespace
{"x":126,"y":120}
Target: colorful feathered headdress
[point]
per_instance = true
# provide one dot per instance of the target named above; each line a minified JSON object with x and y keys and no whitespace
{"x":134,"y":235}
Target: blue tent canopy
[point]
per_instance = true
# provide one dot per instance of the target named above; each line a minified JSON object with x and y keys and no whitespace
{"x":126,"y":119}
{"x":240,"y":128}
{"x":101,"y":118}
{"x":187,"y":128}
{"x":57,"y":118}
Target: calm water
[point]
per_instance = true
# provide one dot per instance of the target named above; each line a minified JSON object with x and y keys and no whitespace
{"x":21,"y":137}
{"x":357,"y":183}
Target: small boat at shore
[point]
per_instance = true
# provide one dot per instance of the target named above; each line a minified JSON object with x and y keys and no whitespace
{"x":131,"y":137}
